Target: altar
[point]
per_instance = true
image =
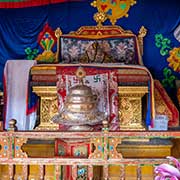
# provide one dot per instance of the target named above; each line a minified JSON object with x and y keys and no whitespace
{"x":124,"y":91}
{"x":97,"y":109}
{"x":138,"y":97}
{"x":136,"y":101}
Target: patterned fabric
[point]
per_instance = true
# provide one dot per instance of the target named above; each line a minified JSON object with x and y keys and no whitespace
{"x":106,"y":50}
{"x":165,"y":106}
{"x":102,"y":81}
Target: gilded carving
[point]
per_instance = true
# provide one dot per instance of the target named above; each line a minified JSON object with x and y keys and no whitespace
{"x":113,"y":10}
{"x":130,"y":107}
{"x":100,"y":17}
{"x":141,"y":35}
{"x":93,"y":31}
{"x":58,"y":34}
{"x":129,"y":111}
{"x":48,"y":106}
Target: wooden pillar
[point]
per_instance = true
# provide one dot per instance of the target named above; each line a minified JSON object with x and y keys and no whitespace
{"x":122,"y":169}
{"x":41,"y":172}
{"x":106,"y":172}
{"x":57,"y":171}
{"x":74,"y":172}
{"x":25,"y":172}
{"x":90,"y":172}
{"x":139,"y":175}
{"x":11,"y":171}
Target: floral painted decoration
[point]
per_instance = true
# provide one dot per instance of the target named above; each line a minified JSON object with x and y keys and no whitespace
{"x":31,"y":53}
{"x":169,"y":78}
{"x":163,"y":44}
{"x":174,"y":59}
{"x":167,"y":171}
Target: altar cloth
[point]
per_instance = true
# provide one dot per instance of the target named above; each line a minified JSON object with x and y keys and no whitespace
{"x":16,"y":78}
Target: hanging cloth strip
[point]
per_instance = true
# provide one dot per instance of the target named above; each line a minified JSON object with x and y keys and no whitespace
{"x":29,"y":3}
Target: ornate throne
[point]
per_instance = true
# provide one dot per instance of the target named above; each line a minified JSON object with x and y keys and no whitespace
{"x":97,"y":45}
{"x":109,"y":48}
{"x":112,"y":59}
{"x":134,"y":98}
{"x":105,"y":47}
{"x":139,"y":97}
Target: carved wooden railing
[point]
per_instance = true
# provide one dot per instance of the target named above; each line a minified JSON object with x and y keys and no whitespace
{"x":105,"y":153}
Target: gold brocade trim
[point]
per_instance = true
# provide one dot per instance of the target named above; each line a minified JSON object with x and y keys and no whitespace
{"x":131,"y":71}
{"x":132,"y":90}
{"x":105,"y":30}
{"x":43,"y":70}
{"x":43,"y":67}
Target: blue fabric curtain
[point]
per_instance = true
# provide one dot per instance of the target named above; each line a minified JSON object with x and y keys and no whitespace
{"x":19,"y":28}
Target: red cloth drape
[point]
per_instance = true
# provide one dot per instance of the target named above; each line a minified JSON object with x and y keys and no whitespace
{"x":30,"y":3}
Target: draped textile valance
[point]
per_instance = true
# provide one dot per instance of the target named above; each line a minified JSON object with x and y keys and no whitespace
{"x":29,"y":3}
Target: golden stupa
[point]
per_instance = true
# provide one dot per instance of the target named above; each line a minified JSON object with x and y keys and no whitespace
{"x":80,"y":111}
